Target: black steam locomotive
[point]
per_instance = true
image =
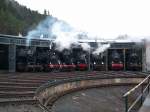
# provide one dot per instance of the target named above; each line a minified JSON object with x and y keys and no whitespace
{"x":66,"y":60}
{"x":98,"y":62}
{"x":116,"y":61}
{"x":80,"y":58}
{"x":134,"y":62}
{"x":46,"y":59}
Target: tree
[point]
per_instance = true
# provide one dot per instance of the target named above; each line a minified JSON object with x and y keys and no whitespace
{"x":15,"y":18}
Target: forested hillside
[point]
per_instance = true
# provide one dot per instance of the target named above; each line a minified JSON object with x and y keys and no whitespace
{"x":15,"y":18}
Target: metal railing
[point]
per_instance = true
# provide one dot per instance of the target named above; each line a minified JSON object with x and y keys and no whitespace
{"x":145,"y":87}
{"x":44,"y":108}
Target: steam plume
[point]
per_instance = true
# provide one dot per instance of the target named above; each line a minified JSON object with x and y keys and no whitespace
{"x":101,"y":48}
{"x":63,"y":35}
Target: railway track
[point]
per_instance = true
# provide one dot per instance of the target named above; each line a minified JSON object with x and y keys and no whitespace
{"x":20,"y":88}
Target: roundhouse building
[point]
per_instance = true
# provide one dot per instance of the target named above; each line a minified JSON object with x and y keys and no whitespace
{"x":119,"y":56}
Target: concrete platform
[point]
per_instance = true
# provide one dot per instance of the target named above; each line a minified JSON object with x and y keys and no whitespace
{"x":146,"y":105}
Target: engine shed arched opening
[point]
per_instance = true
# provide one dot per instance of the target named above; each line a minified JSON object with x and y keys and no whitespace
{"x":3,"y":57}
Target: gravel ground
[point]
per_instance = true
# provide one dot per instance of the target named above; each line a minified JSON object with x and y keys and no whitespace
{"x":20,"y":108}
{"x":92,"y":100}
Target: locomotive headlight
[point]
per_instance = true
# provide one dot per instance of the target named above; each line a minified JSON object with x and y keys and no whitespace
{"x":94,"y":63}
{"x":59,"y":62}
{"x":102,"y":63}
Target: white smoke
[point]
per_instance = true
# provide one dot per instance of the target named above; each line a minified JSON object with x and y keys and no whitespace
{"x":85,"y":46}
{"x":127,"y":38}
{"x":101,"y":48}
{"x":62,"y":34}
{"x":42,"y":31}
{"x":65,"y":35}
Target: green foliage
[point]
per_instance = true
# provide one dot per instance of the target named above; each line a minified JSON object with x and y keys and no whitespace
{"x":15,"y":19}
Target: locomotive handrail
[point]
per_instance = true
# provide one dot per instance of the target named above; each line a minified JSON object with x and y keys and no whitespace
{"x":140,"y":97}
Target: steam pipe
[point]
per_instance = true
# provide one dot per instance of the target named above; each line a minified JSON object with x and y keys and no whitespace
{"x":124,"y":53}
{"x":89,"y":58}
{"x":106,"y":61}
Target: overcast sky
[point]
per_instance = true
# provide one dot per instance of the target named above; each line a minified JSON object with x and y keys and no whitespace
{"x":106,"y":18}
